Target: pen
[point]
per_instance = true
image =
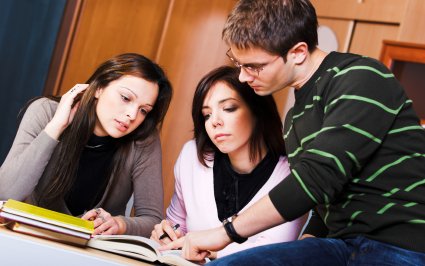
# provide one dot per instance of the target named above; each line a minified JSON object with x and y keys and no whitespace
{"x":164,"y":235}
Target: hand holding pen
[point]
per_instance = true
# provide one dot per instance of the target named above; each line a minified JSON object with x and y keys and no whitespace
{"x":164,"y":233}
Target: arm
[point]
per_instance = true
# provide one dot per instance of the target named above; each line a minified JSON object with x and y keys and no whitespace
{"x":35,"y":141}
{"x":196,"y":244}
{"x":147,"y":188}
{"x":286,"y":232}
{"x":346,"y":128}
{"x":30,"y":152}
{"x":176,"y":211}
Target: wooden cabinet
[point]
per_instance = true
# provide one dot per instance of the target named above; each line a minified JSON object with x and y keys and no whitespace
{"x":407,"y":61}
{"x":362,"y":25}
{"x":103,"y":29}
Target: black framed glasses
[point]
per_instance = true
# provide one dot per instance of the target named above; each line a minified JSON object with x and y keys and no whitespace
{"x":251,"y":69}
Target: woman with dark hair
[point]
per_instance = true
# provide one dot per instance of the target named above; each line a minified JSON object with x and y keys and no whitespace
{"x":236,"y":157}
{"x":95,"y":146}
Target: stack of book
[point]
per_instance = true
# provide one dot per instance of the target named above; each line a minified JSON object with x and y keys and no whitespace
{"x":41,"y":222}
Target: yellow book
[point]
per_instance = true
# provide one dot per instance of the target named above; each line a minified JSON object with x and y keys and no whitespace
{"x":15,"y":210}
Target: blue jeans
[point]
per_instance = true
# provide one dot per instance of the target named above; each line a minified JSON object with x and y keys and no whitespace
{"x":325,"y":251}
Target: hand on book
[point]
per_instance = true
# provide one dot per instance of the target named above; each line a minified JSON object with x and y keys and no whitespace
{"x":166,"y":229}
{"x":196,"y":246}
{"x":104,"y":222}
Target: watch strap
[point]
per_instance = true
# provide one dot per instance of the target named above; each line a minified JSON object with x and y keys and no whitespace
{"x":231,"y":232}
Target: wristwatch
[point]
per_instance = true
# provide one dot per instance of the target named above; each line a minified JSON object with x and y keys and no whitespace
{"x":230,"y":230}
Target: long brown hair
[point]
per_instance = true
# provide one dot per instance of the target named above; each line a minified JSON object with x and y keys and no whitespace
{"x":65,"y":159}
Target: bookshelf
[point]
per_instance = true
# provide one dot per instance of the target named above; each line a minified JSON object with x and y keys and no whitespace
{"x":407,"y":62}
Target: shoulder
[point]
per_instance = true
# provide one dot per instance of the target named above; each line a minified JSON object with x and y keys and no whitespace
{"x":39,"y":111}
{"x":188,"y":157}
{"x":42,"y":105}
{"x":347,"y":65}
{"x":151,"y":142}
{"x":189,"y":148}
{"x":188,"y":153}
{"x":282,"y":167}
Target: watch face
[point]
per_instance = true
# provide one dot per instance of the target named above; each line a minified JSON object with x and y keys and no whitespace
{"x":232,"y":218}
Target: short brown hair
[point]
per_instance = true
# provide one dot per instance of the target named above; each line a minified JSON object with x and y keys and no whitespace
{"x":273,"y":25}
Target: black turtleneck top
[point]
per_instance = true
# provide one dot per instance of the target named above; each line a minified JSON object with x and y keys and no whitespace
{"x":92,"y":175}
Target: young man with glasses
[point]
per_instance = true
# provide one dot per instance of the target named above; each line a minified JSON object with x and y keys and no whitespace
{"x":355,"y":146}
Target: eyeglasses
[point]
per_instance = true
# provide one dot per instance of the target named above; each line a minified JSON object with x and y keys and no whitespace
{"x":251,"y":69}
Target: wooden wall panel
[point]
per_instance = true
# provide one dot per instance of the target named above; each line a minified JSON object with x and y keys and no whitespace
{"x":110,"y":27}
{"x":413,"y":24}
{"x":191,"y":47}
{"x":343,"y":30}
{"x":366,"y":34}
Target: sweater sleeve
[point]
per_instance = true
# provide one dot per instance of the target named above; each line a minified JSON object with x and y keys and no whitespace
{"x":30,"y":153}
{"x":355,"y":119}
{"x":176,"y":212}
{"x":148,"y":190}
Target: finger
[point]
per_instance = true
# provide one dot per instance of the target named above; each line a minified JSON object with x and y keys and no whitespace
{"x":171,"y":234}
{"x":110,"y":230}
{"x":176,"y":244}
{"x":88,"y":215}
{"x":194,"y":255}
{"x":73,"y":111}
{"x":178,"y":233}
{"x":154,"y":236}
{"x":77,"y":89}
{"x":100,"y":220}
{"x":304,"y":236}
{"x":100,"y":226}
{"x":165,"y":241}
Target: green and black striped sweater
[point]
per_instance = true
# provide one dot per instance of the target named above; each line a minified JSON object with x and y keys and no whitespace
{"x":357,"y":152}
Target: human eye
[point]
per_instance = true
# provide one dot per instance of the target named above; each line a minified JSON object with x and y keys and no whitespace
{"x":206,"y":116}
{"x":254,"y":67}
{"x":125,"y":98}
{"x":230,"y":109}
{"x":144,"y":111}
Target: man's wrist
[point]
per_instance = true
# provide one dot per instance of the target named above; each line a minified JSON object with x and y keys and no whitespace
{"x":231,"y":231}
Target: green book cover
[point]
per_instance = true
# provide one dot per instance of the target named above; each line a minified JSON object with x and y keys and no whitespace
{"x":48,"y":216}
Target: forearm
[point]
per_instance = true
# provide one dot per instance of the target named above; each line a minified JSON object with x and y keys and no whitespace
{"x":22,"y":169}
{"x":140,"y":225}
{"x":259,"y":217}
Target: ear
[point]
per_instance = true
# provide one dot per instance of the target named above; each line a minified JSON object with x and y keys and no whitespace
{"x":298,"y":53}
{"x":98,"y":93}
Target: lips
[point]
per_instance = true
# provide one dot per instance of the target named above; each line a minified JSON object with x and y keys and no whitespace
{"x":121,"y":126}
{"x":221,"y":136}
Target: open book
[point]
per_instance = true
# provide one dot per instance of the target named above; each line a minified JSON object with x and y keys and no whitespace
{"x":41,"y":222}
{"x":138,"y":247}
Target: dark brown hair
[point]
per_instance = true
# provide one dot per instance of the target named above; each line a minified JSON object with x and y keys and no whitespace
{"x":273,"y":25}
{"x":268,"y":124}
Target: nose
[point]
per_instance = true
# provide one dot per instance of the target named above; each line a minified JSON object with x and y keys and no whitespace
{"x":132,"y":112}
{"x":216,"y":121}
{"x":244,"y":76}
